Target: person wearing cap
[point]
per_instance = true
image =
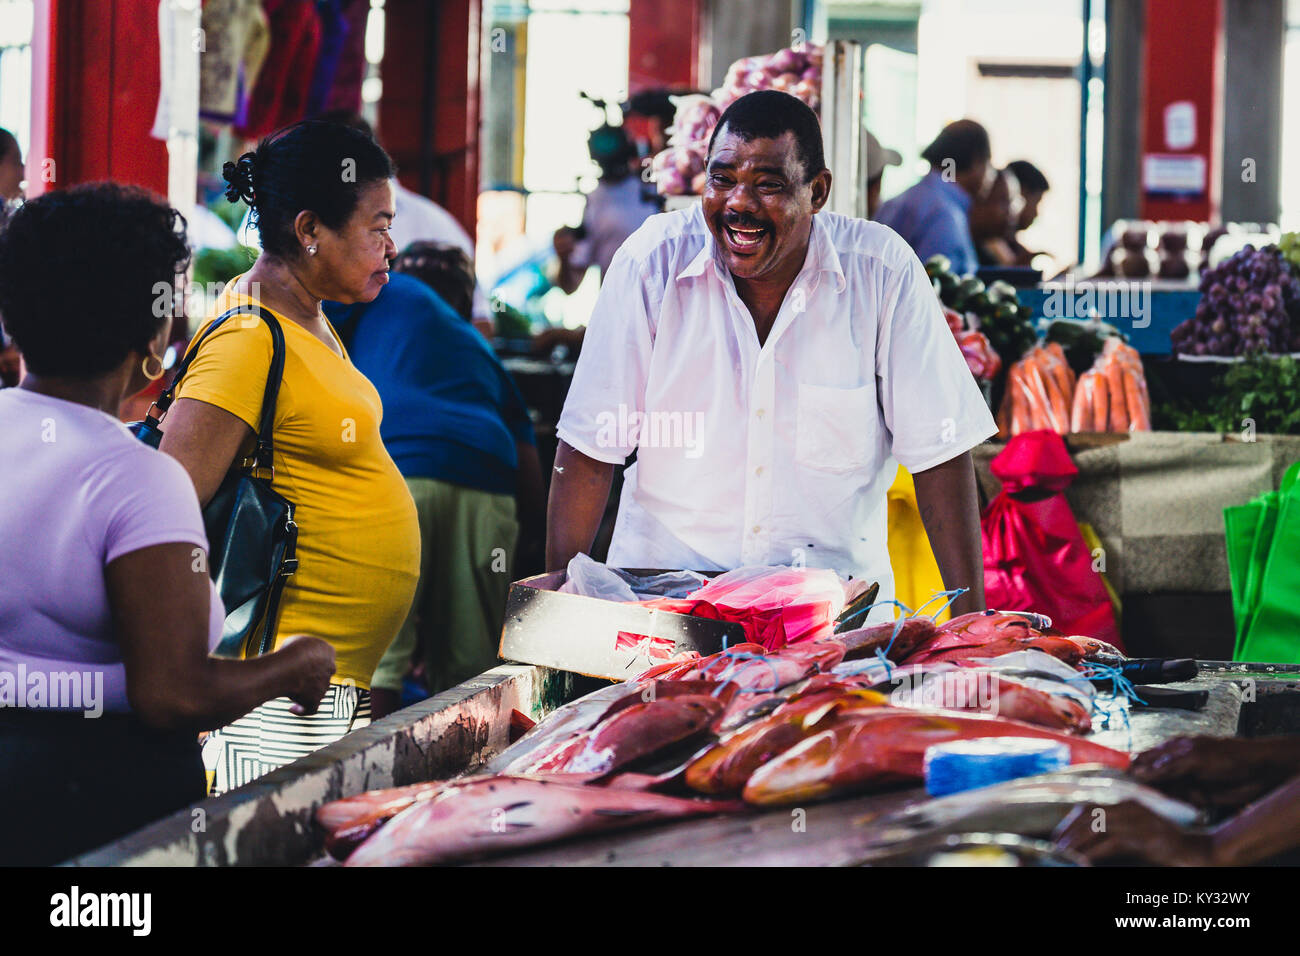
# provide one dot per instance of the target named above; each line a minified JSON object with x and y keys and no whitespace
{"x":878,"y":157}
{"x":933,"y":216}
{"x":615,"y":209}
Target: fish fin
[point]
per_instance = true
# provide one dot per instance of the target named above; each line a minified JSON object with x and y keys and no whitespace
{"x":813,"y":716}
{"x":507,"y":828}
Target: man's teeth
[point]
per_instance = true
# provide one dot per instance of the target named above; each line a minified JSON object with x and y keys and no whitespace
{"x":746,"y":237}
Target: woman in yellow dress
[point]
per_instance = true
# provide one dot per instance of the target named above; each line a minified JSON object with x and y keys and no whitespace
{"x":322,"y":202}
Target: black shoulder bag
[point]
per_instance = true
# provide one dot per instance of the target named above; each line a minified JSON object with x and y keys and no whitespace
{"x":252,"y":537}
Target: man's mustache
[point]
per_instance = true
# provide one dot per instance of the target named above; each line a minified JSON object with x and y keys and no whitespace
{"x":743,"y":222}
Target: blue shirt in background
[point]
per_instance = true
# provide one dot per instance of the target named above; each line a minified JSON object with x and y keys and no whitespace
{"x":933,"y":217}
{"x":451,"y":410}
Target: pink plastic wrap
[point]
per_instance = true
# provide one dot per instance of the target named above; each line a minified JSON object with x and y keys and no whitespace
{"x":776,"y":605}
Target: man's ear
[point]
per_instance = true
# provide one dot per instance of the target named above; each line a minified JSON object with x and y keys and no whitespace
{"x":821,"y":189}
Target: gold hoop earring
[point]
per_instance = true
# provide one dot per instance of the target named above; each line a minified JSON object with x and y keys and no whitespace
{"x":144,"y":367}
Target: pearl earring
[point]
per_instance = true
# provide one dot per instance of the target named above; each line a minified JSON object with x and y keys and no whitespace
{"x":311,"y":250}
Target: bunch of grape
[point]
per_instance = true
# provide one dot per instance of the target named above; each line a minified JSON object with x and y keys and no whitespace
{"x":1249,"y":304}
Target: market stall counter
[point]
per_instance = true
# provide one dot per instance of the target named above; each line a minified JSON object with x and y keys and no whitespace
{"x":270,"y":822}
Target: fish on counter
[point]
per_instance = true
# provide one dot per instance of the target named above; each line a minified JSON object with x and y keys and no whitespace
{"x":634,"y":732}
{"x":1031,"y":806}
{"x":888,"y":747}
{"x":726,"y":767}
{"x":501,"y":814}
{"x":581,"y":715}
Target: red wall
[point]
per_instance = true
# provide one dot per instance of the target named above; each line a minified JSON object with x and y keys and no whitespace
{"x":663,"y":46}
{"x":1183,"y":61}
{"x":445,"y":33}
{"x":95,"y":88}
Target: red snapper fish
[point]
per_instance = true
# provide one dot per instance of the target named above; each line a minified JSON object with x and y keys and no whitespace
{"x":581,"y":715}
{"x":330,"y":816}
{"x":725,"y":767}
{"x":886,"y":747}
{"x":992,"y":693}
{"x":500,"y":814}
{"x":954,"y":650}
{"x":865,"y":641}
{"x":637,"y":731}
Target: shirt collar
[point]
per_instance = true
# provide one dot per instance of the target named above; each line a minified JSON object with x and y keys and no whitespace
{"x":822,"y":256}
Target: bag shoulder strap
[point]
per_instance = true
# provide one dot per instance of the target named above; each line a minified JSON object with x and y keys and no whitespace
{"x":275,"y":374}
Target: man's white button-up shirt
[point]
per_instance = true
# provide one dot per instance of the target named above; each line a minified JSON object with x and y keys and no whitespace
{"x":779,"y":453}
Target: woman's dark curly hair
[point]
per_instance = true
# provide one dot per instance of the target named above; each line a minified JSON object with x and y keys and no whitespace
{"x":312,"y":165}
{"x":87,"y":276}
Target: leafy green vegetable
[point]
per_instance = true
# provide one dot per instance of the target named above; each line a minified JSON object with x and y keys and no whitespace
{"x":219,"y":266}
{"x":1262,"y":389}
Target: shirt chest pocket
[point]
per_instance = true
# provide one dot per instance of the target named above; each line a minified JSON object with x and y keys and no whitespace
{"x":833,"y":427}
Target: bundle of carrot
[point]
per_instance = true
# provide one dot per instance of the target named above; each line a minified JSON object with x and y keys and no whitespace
{"x":1112,"y":395}
{"x":1039,"y":393}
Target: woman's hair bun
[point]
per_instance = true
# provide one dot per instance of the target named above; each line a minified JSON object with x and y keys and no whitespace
{"x":239,"y":179}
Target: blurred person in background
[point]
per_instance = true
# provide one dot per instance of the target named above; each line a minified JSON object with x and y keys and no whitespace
{"x":615,"y":209}
{"x":933,"y":215}
{"x":457,"y":427}
{"x":11,"y":183}
{"x":1033,"y":186}
{"x":878,"y":157}
{"x":11,"y":168}
{"x":323,"y":237}
{"x":10,"y":360}
{"x":993,"y":217}
{"x":448,"y":271}
{"x":98,"y":544}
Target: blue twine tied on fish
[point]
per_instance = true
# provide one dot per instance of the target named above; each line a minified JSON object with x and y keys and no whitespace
{"x":735,"y":658}
{"x":952,"y":595}
{"x":883,"y":654}
{"x":1122,"y":693}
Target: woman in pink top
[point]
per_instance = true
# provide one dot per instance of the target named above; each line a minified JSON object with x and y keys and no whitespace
{"x":107,"y":614}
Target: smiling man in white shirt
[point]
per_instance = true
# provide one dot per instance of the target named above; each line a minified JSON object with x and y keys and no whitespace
{"x":770,"y":364}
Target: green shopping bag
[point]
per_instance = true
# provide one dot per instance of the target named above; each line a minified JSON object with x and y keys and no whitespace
{"x":1269,"y":625}
{"x":1241,"y":524}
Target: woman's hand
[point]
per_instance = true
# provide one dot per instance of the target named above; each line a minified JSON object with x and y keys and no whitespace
{"x":161,"y":597}
{"x":311,"y":663}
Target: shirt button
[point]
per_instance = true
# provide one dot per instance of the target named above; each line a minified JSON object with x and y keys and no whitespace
{"x":759,"y":413}
{"x":756,"y":529}
{"x":758,"y":470}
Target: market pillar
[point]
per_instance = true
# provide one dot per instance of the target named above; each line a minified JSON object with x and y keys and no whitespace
{"x":95,"y":86}
{"x":1182,"y":126}
{"x":429,"y":111}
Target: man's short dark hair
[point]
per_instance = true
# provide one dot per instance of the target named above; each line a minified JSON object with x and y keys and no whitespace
{"x":7,"y":142}
{"x":770,"y":114}
{"x":86,"y":276}
{"x":965,"y":142}
{"x":1029,"y":176}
